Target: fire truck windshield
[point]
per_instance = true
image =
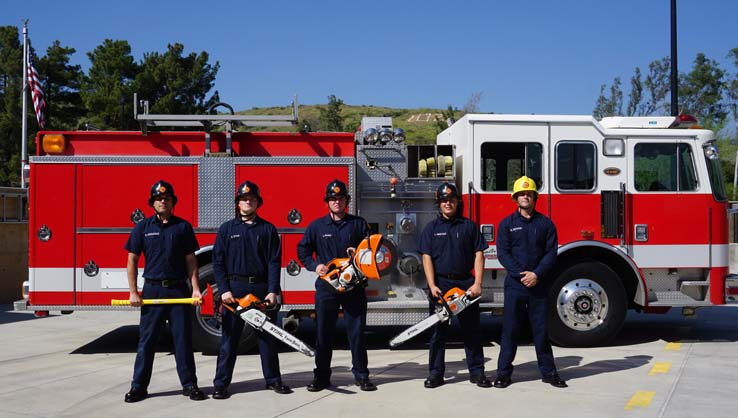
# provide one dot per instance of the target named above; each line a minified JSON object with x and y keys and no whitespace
{"x":712,"y":158}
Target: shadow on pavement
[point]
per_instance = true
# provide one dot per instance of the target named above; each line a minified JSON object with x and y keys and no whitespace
{"x":708,"y":325}
{"x":8,"y":315}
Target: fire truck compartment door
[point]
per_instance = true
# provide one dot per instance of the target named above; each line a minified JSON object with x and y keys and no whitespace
{"x":289,"y":190}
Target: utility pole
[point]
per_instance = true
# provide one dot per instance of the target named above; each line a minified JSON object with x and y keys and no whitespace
{"x":674,"y":70}
{"x":24,"y":93}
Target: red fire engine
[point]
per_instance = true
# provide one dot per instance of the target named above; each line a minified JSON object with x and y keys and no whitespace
{"x":639,"y":203}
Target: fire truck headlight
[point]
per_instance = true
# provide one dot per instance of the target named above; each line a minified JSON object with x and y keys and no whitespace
{"x":614,"y":147}
{"x":385,"y":136}
{"x":399,"y":135}
{"x":53,"y":144}
{"x":711,"y":152}
{"x":370,"y":136}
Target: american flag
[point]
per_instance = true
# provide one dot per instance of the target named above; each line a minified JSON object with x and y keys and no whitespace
{"x":39,"y":105}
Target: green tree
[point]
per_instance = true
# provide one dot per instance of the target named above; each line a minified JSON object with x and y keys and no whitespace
{"x":176,"y":84}
{"x":107,"y":89}
{"x":61,"y":83}
{"x":732,"y":85}
{"x":611,"y":105}
{"x":701,"y":92}
{"x":658,"y":84}
{"x":11,"y":67}
{"x":447,"y":118}
{"x":330,"y":116}
{"x":635,"y":107}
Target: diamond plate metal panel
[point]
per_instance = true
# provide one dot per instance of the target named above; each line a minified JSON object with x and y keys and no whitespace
{"x":380,"y":164}
{"x":216,"y":187}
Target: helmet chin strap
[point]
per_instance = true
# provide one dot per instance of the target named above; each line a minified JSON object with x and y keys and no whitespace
{"x":248,"y":218}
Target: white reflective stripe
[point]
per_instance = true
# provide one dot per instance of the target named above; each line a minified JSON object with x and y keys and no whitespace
{"x":676,"y":256}
{"x":63,"y":280}
{"x":303,"y":281}
{"x":51,"y":279}
{"x":650,"y":256}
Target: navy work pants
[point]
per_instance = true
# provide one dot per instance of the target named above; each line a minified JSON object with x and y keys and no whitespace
{"x":354,"y":304}
{"x":152,"y":322}
{"x":469,"y":321}
{"x":233,"y":327}
{"x":520,"y":303}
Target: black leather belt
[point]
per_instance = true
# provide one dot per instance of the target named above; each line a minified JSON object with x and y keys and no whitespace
{"x":454,"y":276}
{"x":166,"y":282}
{"x":247,"y":279}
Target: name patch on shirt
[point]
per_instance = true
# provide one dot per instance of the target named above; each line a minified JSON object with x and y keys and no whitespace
{"x":517,"y":228}
{"x":439,"y":234}
{"x":235,"y":236}
{"x":151,"y":234}
{"x":327,"y":236}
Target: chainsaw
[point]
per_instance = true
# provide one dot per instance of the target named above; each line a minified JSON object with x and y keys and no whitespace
{"x":251,"y":309}
{"x":373,"y":257}
{"x":448,"y":306}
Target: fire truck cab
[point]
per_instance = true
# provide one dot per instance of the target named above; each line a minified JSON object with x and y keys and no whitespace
{"x":639,"y":204}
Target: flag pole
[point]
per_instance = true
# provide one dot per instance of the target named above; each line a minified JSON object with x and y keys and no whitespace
{"x":24,"y":94}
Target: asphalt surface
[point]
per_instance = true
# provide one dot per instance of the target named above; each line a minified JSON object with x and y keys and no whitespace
{"x":80,"y":365}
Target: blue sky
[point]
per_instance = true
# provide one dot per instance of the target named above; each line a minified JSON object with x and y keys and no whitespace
{"x":537,"y":56}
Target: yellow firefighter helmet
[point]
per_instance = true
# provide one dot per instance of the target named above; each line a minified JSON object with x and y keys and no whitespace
{"x":524,"y":184}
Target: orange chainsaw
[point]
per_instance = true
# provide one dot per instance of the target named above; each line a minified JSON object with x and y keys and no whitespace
{"x":448,"y":306}
{"x":251,"y":309}
{"x":373,"y":257}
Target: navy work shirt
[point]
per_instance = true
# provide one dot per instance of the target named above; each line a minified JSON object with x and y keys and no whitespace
{"x":452,"y":244}
{"x":329,"y":239}
{"x":164,"y":246}
{"x":527,"y":244}
{"x":245,"y":249}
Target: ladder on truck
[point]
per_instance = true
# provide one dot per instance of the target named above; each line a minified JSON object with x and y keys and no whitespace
{"x":207,"y":121}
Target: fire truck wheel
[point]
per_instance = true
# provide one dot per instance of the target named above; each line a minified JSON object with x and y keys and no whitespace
{"x":588,"y":305}
{"x":206,"y":329}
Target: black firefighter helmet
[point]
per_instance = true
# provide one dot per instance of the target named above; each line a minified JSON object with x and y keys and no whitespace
{"x":445,"y":191}
{"x":336,"y":189}
{"x":161,"y":188}
{"x":248,"y":187}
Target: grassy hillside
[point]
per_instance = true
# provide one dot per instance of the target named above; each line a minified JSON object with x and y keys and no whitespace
{"x":419,"y":124}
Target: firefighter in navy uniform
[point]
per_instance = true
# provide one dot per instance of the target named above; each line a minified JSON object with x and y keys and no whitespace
{"x":168,"y":244}
{"x":527,"y":246}
{"x":247,"y":258}
{"x":327,"y":238}
{"x":452,"y":249}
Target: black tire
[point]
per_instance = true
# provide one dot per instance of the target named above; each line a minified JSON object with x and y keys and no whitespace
{"x":587,"y":305}
{"x":206,"y":329}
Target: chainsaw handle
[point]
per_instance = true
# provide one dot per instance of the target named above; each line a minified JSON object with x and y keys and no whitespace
{"x":436,"y":300}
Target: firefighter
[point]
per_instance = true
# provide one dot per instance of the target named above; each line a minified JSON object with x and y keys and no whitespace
{"x":326,"y":238}
{"x":168,"y":244}
{"x":247,"y":258}
{"x":452,"y":249}
{"x":527,"y":245}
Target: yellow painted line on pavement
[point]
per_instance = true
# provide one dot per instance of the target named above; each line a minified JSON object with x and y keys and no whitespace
{"x":673,"y":346}
{"x":641,"y":399}
{"x":660,"y":368}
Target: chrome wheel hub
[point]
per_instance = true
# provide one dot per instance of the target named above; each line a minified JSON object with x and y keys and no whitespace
{"x":582,"y":304}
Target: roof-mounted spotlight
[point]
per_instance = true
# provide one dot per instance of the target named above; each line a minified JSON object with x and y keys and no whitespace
{"x":399,"y":135}
{"x":371,"y":136}
{"x":385,"y":136}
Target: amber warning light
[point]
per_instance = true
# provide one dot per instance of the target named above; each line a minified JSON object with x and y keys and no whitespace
{"x":53,"y":143}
